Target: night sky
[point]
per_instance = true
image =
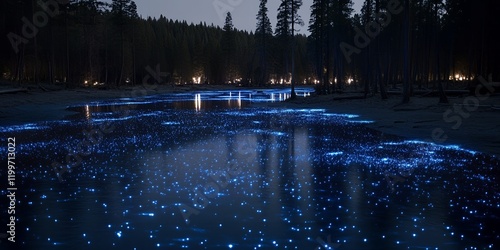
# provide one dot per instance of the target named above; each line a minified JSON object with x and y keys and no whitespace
{"x":244,"y":11}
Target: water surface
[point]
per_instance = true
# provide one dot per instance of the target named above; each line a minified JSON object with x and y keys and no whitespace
{"x":209,"y":171}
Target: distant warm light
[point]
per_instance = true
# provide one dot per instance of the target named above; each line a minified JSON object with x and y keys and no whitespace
{"x":197,"y":80}
{"x":459,"y":77}
{"x":87,"y":112}
{"x":197,"y":102}
{"x":239,"y":100}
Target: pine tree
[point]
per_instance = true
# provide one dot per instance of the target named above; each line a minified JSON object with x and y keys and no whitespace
{"x":329,"y":25}
{"x":340,"y":13}
{"x":123,"y":12}
{"x":319,"y":27}
{"x":406,"y":54}
{"x":228,"y":42}
{"x":264,"y":33}
{"x":288,"y":17}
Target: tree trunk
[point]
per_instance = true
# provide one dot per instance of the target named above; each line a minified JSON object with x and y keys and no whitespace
{"x":326,"y":76}
{"x":120,"y":77}
{"x":406,"y":54}
{"x":20,"y":66}
{"x":51,"y":59}
{"x":442,"y":94}
{"x":293,"y":94}
{"x":67,"y":50}
{"x":106,"y":66}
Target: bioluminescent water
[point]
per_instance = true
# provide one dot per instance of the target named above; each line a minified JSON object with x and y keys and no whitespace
{"x":210,"y":171}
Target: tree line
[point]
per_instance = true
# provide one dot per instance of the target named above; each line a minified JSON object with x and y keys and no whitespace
{"x":421,"y":43}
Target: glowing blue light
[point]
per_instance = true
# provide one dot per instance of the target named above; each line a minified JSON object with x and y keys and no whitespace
{"x":335,"y":153}
{"x":298,"y":158}
{"x":170,"y":123}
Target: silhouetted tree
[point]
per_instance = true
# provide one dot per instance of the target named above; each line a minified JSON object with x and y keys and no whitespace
{"x":285,"y":29}
{"x":228,"y":41}
{"x":124,"y":12}
{"x":264,"y":33}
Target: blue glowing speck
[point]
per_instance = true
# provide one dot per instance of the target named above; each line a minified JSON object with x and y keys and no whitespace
{"x":335,"y":153}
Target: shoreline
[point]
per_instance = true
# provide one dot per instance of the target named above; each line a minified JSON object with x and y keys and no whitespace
{"x":37,"y":105}
{"x":421,"y":119}
{"x":478,"y":129}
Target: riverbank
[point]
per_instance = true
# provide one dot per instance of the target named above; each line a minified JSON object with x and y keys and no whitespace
{"x":424,"y":119}
{"x":460,"y":122}
{"x":31,"y":104}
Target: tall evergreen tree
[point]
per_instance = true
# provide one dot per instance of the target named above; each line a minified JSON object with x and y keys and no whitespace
{"x":406,"y":53}
{"x":329,"y":25}
{"x":288,"y":17}
{"x":123,"y":12}
{"x":318,"y":26}
{"x":340,"y":21}
{"x":264,"y":33}
{"x":228,"y":41}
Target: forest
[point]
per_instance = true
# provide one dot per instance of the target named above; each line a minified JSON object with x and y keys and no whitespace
{"x":425,"y":44}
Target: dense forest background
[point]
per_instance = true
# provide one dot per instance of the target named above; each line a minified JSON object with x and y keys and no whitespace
{"x":427,"y":43}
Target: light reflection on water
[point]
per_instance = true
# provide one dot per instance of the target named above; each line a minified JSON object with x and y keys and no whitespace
{"x":302,"y":174}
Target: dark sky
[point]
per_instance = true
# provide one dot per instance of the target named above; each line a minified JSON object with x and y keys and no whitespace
{"x":244,"y":11}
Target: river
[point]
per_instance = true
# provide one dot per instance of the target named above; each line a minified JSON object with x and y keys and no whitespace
{"x":209,"y":170}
